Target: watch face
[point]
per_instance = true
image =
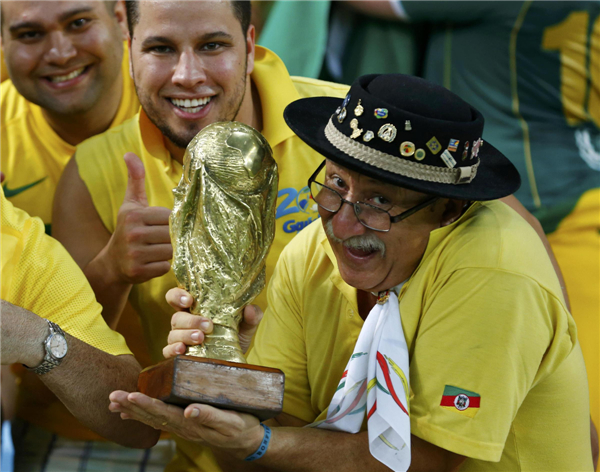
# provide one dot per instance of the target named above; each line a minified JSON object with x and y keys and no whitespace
{"x":57,"y":345}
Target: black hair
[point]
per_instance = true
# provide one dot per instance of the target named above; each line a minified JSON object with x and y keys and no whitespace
{"x":242,"y":10}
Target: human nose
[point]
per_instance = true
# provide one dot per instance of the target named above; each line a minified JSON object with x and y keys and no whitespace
{"x":189,"y":70}
{"x":345,"y":222}
{"x":62,"y":49}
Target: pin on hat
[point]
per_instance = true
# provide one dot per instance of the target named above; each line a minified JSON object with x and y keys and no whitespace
{"x":359,"y":109}
{"x":381,"y":113}
{"x":476,"y":145}
{"x":342,"y":115}
{"x":434,"y":145}
{"x":407,"y":148}
{"x":436,"y":116}
{"x":407,"y":125}
{"x":387,"y":132}
{"x":466,"y":151}
{"x":453,"y":145}
{"x":357,"y":131}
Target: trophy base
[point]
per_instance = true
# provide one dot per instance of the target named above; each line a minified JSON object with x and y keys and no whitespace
{"x":245,"y":388}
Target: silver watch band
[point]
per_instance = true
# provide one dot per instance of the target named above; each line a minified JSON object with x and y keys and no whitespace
{"x":49,"y":362}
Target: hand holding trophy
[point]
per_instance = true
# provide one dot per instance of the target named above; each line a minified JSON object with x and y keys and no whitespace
{"x":222,"y":226}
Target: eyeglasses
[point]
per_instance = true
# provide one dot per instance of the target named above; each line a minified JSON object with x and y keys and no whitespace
{"x":370,"y":216}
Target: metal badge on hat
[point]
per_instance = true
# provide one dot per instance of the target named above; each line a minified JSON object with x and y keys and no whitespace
{"x":448,"y":159}
{"x":357,"y":131}
{"x":381,"y":113}
{"x":420,"y":154}
{"x":359,"y":109}
{"x":387,"y":132}
{"x":368,"y":136}
{"x":407,"y":149}
{"x":476,"y":145}
{"x":466,"y":151}
{"x":453,"y":145}
{"x":342,"y":115}
{"x":434,"y":145}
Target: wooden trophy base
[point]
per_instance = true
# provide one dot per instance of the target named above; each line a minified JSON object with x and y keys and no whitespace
{"x":230,"y":385}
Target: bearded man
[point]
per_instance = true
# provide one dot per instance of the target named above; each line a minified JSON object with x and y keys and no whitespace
{"x":193,"y":64}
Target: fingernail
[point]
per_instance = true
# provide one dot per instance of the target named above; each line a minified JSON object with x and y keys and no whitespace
{"x":195,"y":413}
{"x":205,"y":325}
{"x":195,"y":335}
{"x":184,"y":300}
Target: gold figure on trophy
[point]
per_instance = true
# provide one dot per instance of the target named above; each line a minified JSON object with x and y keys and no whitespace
{"x":222,"y":227}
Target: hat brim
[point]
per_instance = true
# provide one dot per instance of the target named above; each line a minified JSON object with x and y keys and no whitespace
{"x":496,"y":176}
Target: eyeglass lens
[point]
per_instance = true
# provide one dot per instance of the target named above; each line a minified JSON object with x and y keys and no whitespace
{"x":369,"y":216}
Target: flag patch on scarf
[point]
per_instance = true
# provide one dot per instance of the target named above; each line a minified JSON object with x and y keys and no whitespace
{"x":460,"y":400}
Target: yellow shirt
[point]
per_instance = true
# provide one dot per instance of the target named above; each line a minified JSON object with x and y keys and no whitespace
{"x":482,"y":313}
{"x":33,"y":158}
{"x":33,"y":155}
{"x":39,"y":275}
{"x":101,"y":167}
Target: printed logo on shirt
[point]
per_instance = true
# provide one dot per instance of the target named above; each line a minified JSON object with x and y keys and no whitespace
{"x":460,"y":400}
{"x":13,"y":192}
{"x":297,"y":208}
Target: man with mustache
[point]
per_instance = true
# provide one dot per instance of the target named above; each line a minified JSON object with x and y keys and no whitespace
{"x":420,"y":326}
{"x":193,"y":63}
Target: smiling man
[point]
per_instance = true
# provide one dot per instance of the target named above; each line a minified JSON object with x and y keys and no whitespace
{"x":69,"y":81}
{"x":193,"y":63}
{"x":420,"y":326}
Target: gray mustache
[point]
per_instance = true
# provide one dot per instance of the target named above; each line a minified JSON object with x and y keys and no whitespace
{"x":365,"y":242}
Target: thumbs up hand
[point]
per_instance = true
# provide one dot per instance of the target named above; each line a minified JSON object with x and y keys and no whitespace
{"x":140,"y":248}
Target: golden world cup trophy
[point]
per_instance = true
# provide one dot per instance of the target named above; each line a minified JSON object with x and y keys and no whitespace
{"x":222,"y":226}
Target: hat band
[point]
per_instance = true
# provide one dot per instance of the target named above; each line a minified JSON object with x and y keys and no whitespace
{"x":396,"y":165}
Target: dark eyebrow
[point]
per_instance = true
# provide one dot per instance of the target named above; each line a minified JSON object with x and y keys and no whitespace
{"x":205,"y":37}
{"x":216,"y":34}
{"x":65,"y":16}
{"x":155,"y":39}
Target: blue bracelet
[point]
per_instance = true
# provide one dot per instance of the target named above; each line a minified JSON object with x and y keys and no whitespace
{"x":263,"y":445}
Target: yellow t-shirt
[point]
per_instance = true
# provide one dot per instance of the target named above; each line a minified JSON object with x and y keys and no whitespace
{"x":33,"y":155}
{"x":482,"y":313}
{"x":33,"y":158}
{"x":39,"y":275}
{"x":102,"y":168}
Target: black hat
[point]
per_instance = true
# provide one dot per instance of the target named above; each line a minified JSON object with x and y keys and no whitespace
{"x":409,"y":132}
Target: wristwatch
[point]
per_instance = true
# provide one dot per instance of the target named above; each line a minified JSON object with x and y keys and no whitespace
{"x":56,"y":349}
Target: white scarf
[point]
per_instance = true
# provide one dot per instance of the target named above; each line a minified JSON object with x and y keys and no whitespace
{"x":376,"y":383}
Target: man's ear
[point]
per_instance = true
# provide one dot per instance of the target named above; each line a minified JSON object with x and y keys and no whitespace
{"x":121,"y":15}
{"x":453,"y":211}
{"x":130,"y":58}
{"x":250,"y":48}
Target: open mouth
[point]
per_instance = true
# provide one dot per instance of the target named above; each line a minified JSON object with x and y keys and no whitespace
{"x":361,"y":252}
{"x":59,"y":79}
{"x":190,"y":106}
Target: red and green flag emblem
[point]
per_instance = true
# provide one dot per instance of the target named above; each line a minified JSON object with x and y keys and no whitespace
{"x":460,"y":400}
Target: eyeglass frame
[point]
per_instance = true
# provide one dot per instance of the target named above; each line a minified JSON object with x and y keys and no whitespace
{"x":355,"y":205}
